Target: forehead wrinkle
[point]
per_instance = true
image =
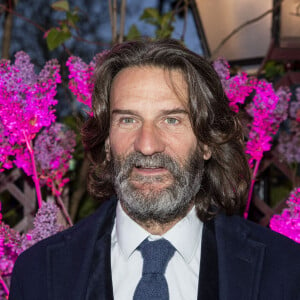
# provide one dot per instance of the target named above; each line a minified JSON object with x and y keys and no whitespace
{"x":175,"y":83}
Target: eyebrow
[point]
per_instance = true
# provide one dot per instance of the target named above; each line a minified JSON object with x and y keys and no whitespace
{"x":163,"y":112}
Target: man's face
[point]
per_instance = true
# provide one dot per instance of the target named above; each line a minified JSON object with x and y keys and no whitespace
{"x":155,"y":153}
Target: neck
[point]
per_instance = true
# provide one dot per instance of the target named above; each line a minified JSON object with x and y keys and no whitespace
{"x":157,"y":228}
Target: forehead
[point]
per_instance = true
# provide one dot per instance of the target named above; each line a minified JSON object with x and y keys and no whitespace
{"x":149,"y":85}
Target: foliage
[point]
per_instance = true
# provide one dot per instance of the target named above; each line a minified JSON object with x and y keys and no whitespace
{"x":273,"y":70}
{"x":162,"y":23}
{"x":58,"y":35}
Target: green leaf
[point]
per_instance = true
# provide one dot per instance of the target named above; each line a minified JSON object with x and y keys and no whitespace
{"x":56,"y":37}
{"x":167,"y":19}
{"x":273,"y":70}
{"x":72,"y":18}
{"x":151,"y":16}
{"x":133,"y":33}
{"x":61,"y":5}
{"x":163,"y":33}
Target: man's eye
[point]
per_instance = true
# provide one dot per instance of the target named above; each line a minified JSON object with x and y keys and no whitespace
{"x":171,"y":121}
{"x":127,"y":120}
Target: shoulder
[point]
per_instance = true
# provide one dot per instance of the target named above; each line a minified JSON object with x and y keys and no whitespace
{"x":238,"y":226}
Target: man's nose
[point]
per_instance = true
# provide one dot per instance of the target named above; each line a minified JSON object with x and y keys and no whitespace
{"x":149,"y":140}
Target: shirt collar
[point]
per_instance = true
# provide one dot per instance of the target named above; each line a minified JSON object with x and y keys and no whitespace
{"x":185,"y":235}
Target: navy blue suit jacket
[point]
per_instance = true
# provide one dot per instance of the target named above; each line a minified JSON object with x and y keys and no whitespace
{"x":253,"y":262}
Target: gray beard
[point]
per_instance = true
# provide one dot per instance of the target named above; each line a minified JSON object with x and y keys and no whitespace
{"x":163,"y":205}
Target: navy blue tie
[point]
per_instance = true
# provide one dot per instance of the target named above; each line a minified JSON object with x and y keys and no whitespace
{"x":153,"y":284}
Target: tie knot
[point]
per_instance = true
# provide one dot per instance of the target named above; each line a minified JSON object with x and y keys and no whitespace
{"x":156,"y":255}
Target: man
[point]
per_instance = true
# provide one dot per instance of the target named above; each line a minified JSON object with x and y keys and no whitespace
{"x":163,"y":139}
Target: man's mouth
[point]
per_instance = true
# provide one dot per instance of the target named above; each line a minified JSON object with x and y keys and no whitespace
{"x":149,"y":170}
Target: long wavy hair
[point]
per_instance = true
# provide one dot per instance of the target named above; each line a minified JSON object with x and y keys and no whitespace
{"x":226,"y":174}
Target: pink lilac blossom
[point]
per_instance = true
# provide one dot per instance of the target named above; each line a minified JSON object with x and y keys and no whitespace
{"x":237,"y":88}
{"x":222,"y":67}
{"x":45,"y":224}
{"x":289,"y":146}
{"x":295,"y":110}
{"x":26,"y":105}
{"x":9,"y":247}
{"x":268,"y":111}
{"x":281,"y":110}
{"x":81,"y":77}
{"x":53,"y":150}
{"x":12,"y":244}
{"x":289,"y":140}
{"x":6,"y":151}
{"x":288,"y":223}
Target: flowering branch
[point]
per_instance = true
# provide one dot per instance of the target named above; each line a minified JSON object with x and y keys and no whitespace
{"x":288,"y":222}
{"x":35,"y":174}
{"x":11,"y":11}
{"x":268,"y":109}
{"x":4,"y":286}
{"x":62,"y":206}
{"x":257,"y":163}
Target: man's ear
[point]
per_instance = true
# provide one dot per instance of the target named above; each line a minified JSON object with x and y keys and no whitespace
{"x":206,"y":153}
{"x":107,"y":149}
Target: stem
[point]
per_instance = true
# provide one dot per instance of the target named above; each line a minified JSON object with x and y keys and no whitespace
{"x":122,"y":21}
{"x":62,"y":206}
{"x":184,"y":20}
{"x":35,"y":175}
{"x":257,"y":163}
{"x":5,"y":288}
{"x":113,"y":19}
{"x":41,"y":28}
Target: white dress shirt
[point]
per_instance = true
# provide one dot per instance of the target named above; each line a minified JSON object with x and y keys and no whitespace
{"x":182,"y":273}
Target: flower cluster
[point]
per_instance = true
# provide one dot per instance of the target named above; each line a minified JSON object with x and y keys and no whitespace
{"x":268,"y":109}
{"x":53,"y":149}
{"x":289,"y":140}
{"x":9,"y":247}
{"x":81,"y":77}
{"x":237,"y":87}
{"x":12,"y":244}
{"x":45,"y":224}
{"x":26,"y":105}
{"x":288,"y":223}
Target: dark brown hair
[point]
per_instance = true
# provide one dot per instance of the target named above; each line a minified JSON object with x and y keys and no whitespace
{"x":226,"y":176}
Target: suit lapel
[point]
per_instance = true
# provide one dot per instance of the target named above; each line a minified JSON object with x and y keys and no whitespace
{"x":100,"y":279}
{"x":208,"y":287}
{"x":69,"y":262}
{"x":240,"y":260}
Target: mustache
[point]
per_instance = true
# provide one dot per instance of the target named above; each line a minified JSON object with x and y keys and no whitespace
{"x":139,"y":160}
